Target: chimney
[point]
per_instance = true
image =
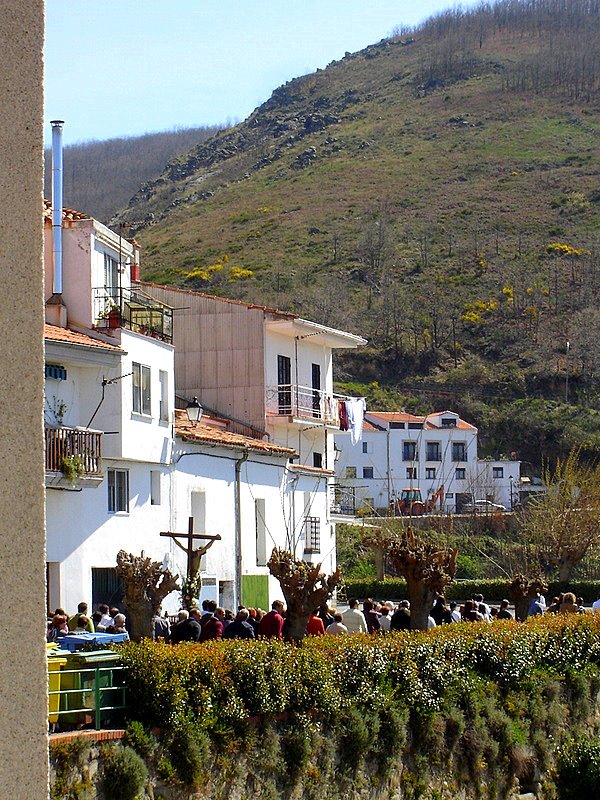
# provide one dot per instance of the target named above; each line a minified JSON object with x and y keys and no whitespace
{"x":56,"y":311}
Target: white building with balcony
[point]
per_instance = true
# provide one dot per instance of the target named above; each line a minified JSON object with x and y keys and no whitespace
{"x":400,"y":451}
{"x":270,"y":373}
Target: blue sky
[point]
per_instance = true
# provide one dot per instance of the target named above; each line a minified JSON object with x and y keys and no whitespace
{"x":133,"y":66}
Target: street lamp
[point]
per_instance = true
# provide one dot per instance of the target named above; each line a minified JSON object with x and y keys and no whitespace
{"x":194,"y":411}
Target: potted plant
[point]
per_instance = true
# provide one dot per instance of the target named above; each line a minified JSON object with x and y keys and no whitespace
{"x":72,"y":467}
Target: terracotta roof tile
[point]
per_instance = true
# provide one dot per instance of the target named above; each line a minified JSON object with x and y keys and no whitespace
{"x":216,"y":297}
{"x":201,"y":433}
{"x":311,"y":470}
{"x":395,"y":416}
{"x":67,"y":213}
{"x":56,"y":334}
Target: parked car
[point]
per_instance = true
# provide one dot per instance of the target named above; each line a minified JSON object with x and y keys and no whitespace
{"x":483,"y":507}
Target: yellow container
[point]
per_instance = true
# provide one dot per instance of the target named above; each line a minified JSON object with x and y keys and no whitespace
{"x":55,"y":664}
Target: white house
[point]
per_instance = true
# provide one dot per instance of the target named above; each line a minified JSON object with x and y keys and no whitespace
{"x":402,"y":451}
{"x":270,"y":373}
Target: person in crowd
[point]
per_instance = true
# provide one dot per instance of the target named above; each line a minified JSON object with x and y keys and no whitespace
{"x":569,"y":605}
{"x":385,"y":620}
{"x":252,"y":620}
{"x":314,"y":626}
{"x":228,"y":619}
{"x":118,"y":625}
{"x":58,"y":628}
{"x":337,"y":627}
{"x":161,"y":628}
{"x":106,"y":618}
{"x":493,"y":614}
{"x":325,"y":614}
{"x":212,"y":628}
{"x":536,"y":607}
{"x":208,"y":610}
{"x":82,"y":625}
{"x":596,"y":605}
{"x":96,"y":618}
{"x":82,"y":610}
{"x":353,"y":618}
{"x":186,"y":629}
{"x":440,"y":612}
{"x":271,"y":625}
{"x":401,"y":617}
{"x":455,"y":612}
{"x":581,"y":605}
{"x":240,"y":627}
{"x":485,"y":611}
{"x":472,"y":613}
{"x":503,"y":612}
{"x":554,"y":607}
{"x":371,"y":616}
{"x":430,"y":622}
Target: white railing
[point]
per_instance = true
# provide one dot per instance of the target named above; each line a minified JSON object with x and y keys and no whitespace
{"x":293,"y":400}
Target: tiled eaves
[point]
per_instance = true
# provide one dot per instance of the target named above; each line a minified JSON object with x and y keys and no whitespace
{"x":204,"y":434}
{"x":55,"y":334}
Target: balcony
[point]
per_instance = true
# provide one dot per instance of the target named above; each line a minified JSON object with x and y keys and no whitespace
{"x":132,"y":309}
{"x":73,"y":453}
{"x":342,"y":500}
{"x":303,"y":405}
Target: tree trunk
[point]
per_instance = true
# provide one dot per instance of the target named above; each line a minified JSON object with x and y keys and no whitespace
{"x":379,"y":562}
{"x":295,"y":627}
{"x":521,"y":608}
{"x":139,"y":618}
{"x":421,"y":602}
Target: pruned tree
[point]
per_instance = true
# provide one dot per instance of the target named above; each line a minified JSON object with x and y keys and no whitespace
{"x":522,"y":590}
{"x":147,"y":583}
{"x":564,"y":523}
{"x":427,"y":568}
{"x":304,"y":588}
{"x":378,"y":541}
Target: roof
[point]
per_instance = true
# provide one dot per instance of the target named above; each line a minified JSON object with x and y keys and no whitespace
{"x":206,"y":434}
{"x":311,"y":470}
{"x":64,"y":335}
{"x":195,"y":293}
{"x":67,"y":213}
{"x":402,"y":416}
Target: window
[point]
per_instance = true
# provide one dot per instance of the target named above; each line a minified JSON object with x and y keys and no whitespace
{"x":459,"y":451}
{"x":118,"y":490}
{"x":460,"y":474}
{"x":141,"y":389}
{"x":411,"y":473}
{"x":430,"y":473}
{"x":312,"y":535}
{"x":497,"y":472}
{"x":111,"y":276}
{"x":261,"y":533}
{"x":450,"y":496}
{"x":368,"y":473}
{"x":394,"y":426}
{"x":318,"y":460}
{"x":409,"y":451}
{"x":154,"y":487}
{"x":367,"y":447}
{"x":448,"y":422}
{"x":434,"y":451}
{"x":163,"y":378}
{"x":56,"y":372}
{"x":351,"y":472}
{"x":415,"y":426}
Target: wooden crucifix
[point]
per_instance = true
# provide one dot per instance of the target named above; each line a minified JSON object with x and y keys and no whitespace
{"x":193,"y":555}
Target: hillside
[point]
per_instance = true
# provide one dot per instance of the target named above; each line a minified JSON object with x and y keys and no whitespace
{"x":100,"y":177}
{"x":436,"y":192}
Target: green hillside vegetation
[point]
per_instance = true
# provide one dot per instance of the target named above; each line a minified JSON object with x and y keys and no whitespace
{"x":100,"y":177}
{"x":438,"y":193}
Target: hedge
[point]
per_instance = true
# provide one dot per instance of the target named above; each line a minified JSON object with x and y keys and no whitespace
{"x":493,"y":589}
{"x":466,"y":710}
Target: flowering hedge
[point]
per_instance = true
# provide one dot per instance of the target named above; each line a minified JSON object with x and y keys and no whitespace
{"x":221,"y":683}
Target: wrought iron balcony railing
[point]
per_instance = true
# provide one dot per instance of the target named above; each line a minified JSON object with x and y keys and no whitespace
{"x":133,"y":309}
{"x":312,"y":535}
{"x":303,"y":402}
{"x":74,"y":450}
{"x":342,"y":499}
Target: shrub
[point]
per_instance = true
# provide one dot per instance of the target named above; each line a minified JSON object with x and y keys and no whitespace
{"x":578,"y":769}
{"x":141,"y":740}
{"x":355,"y":737}
{"x":123,"y":773}
{"x":189,"y":748}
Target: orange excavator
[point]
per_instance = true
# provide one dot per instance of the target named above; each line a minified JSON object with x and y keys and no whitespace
{"x":412,"y":504}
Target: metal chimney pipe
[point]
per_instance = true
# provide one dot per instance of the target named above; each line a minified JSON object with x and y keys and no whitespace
{"x":57,"y":201}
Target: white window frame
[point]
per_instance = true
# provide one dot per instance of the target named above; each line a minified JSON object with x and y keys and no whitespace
{"x":117,"y":481}
{"x":155,"y":487}
{"x":497,"y":473}
{"x":430,"y":473}
{"x":142,"y":400}
{"x":163,"y":408}
{"x":462,"y":476}
{"x":368,"y":477}
{"x":351,"y":473}
{"x":412,"y":474}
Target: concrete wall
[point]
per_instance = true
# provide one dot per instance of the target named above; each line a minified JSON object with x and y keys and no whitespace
{"x":23,"y":691}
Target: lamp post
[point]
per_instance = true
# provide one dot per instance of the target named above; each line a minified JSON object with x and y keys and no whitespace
{"x":194,"y":411}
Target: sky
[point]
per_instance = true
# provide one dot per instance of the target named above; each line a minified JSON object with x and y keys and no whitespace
{"x":128,"y":67}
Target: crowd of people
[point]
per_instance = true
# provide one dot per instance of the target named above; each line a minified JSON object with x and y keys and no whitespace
{"x":213,"y":622}
{"x":104,"y":620}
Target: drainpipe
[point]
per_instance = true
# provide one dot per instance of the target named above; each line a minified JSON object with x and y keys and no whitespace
{"x":57,"y":201}
{"x":238,"y":528}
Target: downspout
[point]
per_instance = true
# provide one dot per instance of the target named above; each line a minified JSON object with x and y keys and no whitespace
{"x":238,"y":528}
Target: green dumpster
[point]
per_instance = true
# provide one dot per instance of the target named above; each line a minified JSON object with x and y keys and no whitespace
{"x":56,"y":661}
{"x":94,"y":681}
